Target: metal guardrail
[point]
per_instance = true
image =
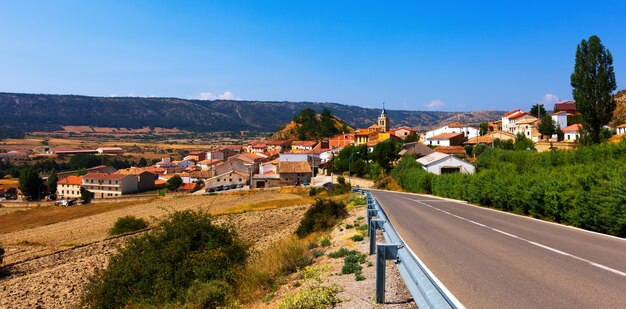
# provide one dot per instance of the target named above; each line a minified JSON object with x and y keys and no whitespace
{"x":426,"y":290}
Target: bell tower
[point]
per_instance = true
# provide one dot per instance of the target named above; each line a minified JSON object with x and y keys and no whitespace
{"x":383,"y":121}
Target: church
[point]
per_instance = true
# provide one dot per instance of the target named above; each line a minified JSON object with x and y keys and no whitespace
{"x":376,"y":133}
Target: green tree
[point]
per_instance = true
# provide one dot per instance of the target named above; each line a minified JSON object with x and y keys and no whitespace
{"x":327,"y":126}
{"x":484,"y":128}
{"x":538,"y":111}
{"x":523,"y":143}
{"x":81,"y":171}
{"x":52,"y":182}
{"x":546,"y":126}
{"x":412,"y":137}
{"x":593,"y":83}
{"x":384,"y":154}
{"x":30,"y":183}
{"x":85,"y":195}
{"x":142,"y":162}
{"x":174,"y":183}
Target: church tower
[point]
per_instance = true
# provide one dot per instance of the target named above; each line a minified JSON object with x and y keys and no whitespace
{"x":383,"y":121}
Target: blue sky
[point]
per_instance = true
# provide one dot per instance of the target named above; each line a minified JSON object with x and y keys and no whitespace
{"x":455,"y":56}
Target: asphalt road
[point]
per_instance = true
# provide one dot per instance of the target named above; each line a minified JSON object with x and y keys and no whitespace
{"x":493,"y":259}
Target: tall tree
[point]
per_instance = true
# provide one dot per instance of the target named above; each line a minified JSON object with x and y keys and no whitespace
{"x":484,"y":128}
{"x":52,"y":182}
{"x":30,"y":183}
{"x":538,"y":111}
{"x":174,"y":183}
{"x":546,"y":126}
{"x":593,"y":83}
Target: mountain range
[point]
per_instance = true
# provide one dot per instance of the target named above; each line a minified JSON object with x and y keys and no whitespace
{"x":45,"y":112}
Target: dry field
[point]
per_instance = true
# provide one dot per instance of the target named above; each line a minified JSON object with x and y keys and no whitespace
{"x":49,"y":260}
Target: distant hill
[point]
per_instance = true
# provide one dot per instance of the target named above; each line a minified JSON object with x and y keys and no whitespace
{"x":43,"y":112}
{"x":290,"y":130}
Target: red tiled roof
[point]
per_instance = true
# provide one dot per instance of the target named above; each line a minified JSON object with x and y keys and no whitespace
{"x":304,"y":143}
{"x":105,"y":176}
{"x":277,"y":142}
{"x":559,"y":113}
{"x":511,"y":113}
{"x":520,"y":114}
{"x":572,"y":128}
{"x":565,"y":106}
{"x":71,"y":180}
{"x":451,"y":149}
{"x":446,"y":136}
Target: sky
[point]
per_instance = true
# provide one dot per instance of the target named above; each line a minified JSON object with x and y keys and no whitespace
{"x":412,"y":55}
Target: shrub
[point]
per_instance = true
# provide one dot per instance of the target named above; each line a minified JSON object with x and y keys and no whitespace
{"x":356,"y":237}
{"x":324,"y":241}
{"x":339,"y":253}
{"x":312,"y":297}
{"x":359,"y":277}
{"x":323,"y":215}
{"x":212,"y":294}
{"x":128,"y":224}
{"x":161,"y":266}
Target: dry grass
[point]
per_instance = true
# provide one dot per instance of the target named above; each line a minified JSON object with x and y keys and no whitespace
{"x":263,"y":206}
{"x":40,"y":216}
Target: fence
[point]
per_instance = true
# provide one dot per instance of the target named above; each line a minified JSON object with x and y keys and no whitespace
{"x":426,"y":290}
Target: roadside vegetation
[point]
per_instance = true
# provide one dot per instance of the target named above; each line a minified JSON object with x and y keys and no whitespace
{"x":582,"y":187}
{"x":323,"y":215}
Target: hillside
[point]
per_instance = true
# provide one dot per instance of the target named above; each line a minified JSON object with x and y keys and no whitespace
{"x":619,"y":115}
{"x":42,"y":112}
{"x":290,"y":130}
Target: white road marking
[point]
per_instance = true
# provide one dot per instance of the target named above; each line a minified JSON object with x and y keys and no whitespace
{"x":615,"y":271}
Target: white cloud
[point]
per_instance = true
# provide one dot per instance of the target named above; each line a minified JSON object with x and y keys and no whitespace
{"x":206,"y":96}
{"x":210,"y":96}
{"x":549,"y":98}
{"x":435,"y":104}
{"x":227,"y":96}
{"x":132,"y":95}
{"x":113,"y":95}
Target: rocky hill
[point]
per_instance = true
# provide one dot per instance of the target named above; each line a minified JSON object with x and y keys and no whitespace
{"x":619,"y":115}
{"x":290,"y":130}
{"x":43,"y":112}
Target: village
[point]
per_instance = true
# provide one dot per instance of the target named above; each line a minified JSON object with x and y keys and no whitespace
{"x":276,"y":163}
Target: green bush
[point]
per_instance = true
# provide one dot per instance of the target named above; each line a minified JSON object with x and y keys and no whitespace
{"x":207,"y":295}
{"x":339,"y":253}
{"x":128,"y":224}
{"x":312,"y":297}
{"x":356,"y":237}
{"x":161,"y":266}
{"x":323,"y":215}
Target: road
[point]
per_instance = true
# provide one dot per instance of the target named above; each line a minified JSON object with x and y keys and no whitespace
{"x":493,"y":259}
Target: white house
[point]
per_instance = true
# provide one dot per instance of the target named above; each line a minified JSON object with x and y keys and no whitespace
{"x":445,"y":139}
{"x":454,"y":127}
{"x":293,"y":157}
{"x":620,"y":129}
{"x":441,"y":163}
{"x":560,"y":119}
{"x":510,"y":120}
{"x":572,"y":133}
{"x":184,"y":163}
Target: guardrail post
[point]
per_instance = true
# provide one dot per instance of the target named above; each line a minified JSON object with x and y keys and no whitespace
{"x":370,"y":214}
{"x":375,"y":224}
{"x":383,"y":253}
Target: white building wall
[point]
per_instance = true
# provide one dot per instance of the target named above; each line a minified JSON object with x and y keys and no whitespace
{"x":464,"y":166}
{"x":560,"y":120}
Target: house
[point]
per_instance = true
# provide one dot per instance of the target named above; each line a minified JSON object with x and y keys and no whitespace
{"x":256,"y":147}
{"x":102,"y":185}
{"x":69,"y":187}
{"x":145,"y":179}
{"x":278,"y":145}
{"x":165,"y":163}
{"x":560,"y":119}
{"x":229,"y":179}
{"x":184,"y":163}
{"x":382,"y":137}
{"x":363,"y":136}
{"x":14,"y":154}
{"x":260,"y":181}
{"x":527,"y":127}
{"x":446,"y":139}
{"x":197,"y":156}
{"x":294,"y":172}
{"x":110,"y":150}
{"x":247,"y":163}
{"x":441,"y":163}
{"x":455,"y":127}
{"x":72,"y":151}
{"x":403,"y":132}
{"x":566,"y":106}
{"x":341,"y":140}
{"x":300,"y":146}
{"x":510,"y":119}
{"x":502,"y":135}
{"x":621,"y":129}
{"x":415,"y":148}
{"x":208,"y":164}
{"x":269,"y":167}
{"x":488,"y":140}
{"x":572,"y":133}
